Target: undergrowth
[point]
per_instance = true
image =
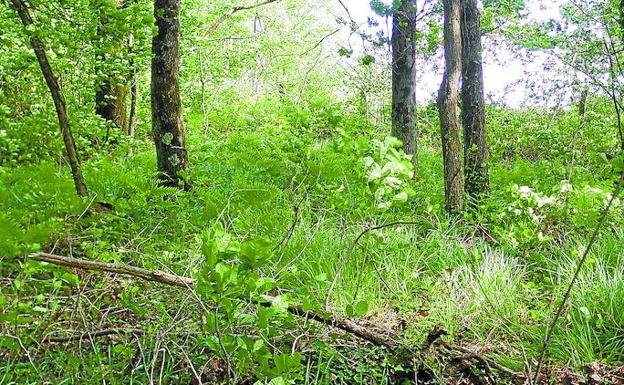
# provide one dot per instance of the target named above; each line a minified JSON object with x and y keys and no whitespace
{"x":276,"y":205}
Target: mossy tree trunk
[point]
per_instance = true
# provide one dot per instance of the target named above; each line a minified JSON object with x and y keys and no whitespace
{"x":110,"y":103}
{"x":59,"y":101}
{"x":110,"y":92}
{"x":477,"y":183}
{"x":447,"y":107}
{"x":166,"y":106}
{"x":404,"y":77}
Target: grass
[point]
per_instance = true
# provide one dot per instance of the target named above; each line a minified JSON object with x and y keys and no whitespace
{"x":495,"y":295}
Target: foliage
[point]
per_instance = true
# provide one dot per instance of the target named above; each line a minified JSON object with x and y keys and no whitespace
{"x":291,"y":163}
{"x":389,"y":171}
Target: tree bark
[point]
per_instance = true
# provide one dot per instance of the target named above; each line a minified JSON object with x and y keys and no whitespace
{"x":110,"y":93}
{"x":59,"y":101}
{"x":404,"y":78}
{"x":110,"y":103}
{"x":447,"y":106}
{"x":473,"y":105}
{"x":166,"y":106}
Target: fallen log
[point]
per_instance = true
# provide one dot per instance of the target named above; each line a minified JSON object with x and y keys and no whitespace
{"x":185,"y":282}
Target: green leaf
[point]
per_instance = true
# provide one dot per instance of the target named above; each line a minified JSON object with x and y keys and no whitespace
{"x":277,"y":381}
{"x":361,"y":308}
{"x":258,"y":345}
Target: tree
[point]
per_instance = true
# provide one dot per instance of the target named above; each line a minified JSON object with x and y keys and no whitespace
{"x":166,"y":106}
{"x":473,"y":104}
{"x":589,"y":41}
{"x":59,"y":101}
{"x":404,"y":77}
{"x":110,"y":95}
{"x":447,"y":106}
{"x":132,"y":118}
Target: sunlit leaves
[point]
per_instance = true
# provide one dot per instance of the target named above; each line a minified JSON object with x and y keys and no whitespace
{"x":389,"y":171}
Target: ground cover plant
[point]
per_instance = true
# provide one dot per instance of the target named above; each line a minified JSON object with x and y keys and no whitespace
{"x":203,"y":192}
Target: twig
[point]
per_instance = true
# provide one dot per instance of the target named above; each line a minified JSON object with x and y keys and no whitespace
{"x":347,"y":11}
{"x":213,"y":27}
{"x":318,"y":43}
{"x":291,"y":228}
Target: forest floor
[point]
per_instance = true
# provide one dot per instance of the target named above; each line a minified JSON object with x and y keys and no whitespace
{"x":292,"y":215}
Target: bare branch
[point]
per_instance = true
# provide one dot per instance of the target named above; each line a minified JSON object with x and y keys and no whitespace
{"x":95,"y":334}
{"x":175,"y":280}
{"x":213,"y":27}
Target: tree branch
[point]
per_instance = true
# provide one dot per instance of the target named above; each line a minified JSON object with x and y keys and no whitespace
{"x":175,"y":280}
{"x":331,"y":320}
{"x":213,"y":27}
{"x":95,"y":334}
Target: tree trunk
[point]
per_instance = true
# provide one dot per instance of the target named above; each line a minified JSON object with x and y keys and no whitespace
{"x":404,"y":77}
{"x":583,"y":102}
{"x":110,"y":104}
{"x":621,"y":19}
{"x":473,"y":104}
{"x":166,"y":106}
{"x":133,"y":88}
{"x":110,"y":93}
{"x":203,"y":81}
{"x":447,"y":105}
{"x":57,"y":97}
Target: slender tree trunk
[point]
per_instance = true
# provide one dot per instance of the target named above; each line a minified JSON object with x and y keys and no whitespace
{"x":110,"y":93}
{"x":621,"y":19}
{"x":583,"y":102}
{"x":166,"y":106}
{"x":133,"y":88}
{"x":473,"y":105}
{"x":404,"y":77}
{"x":59,"y":102}
{"x":202,"y":79}
{"x":447,"y":105}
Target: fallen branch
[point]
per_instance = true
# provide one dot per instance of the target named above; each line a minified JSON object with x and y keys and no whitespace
{"x":175,"y":280}
{"x":331,"y":320}
{"x":148,"y":275}
{"x":487,"y":362}
{"x":95,"y":334}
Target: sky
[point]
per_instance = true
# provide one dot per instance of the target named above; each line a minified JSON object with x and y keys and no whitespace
{"x":502,"y":70}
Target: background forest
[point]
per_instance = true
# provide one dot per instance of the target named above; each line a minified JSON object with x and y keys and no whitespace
{"x":265,"y":192}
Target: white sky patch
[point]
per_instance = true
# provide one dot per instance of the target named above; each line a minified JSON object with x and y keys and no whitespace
{"x":504,"y":72}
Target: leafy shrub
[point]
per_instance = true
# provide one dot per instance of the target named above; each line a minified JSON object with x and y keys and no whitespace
{"x":389,"y":172}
